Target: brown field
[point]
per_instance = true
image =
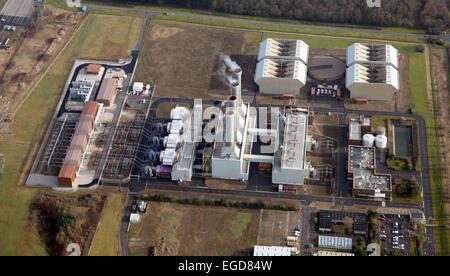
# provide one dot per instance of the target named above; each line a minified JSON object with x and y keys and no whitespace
{"x":35,"y":48}
{"x":183,"y":60}
{"x":170,"y":229}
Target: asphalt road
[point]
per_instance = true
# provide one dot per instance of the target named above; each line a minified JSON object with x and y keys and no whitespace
{"x":17,"y":12}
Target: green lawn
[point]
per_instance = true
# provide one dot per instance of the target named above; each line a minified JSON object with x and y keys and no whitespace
{"x":257,"y":18}
{"x":259,"y":27}
{"x":106,"y":240}
{"x":94,"y":40}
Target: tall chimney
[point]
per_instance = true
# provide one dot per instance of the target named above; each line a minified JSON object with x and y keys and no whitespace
{"x":237,"y":76}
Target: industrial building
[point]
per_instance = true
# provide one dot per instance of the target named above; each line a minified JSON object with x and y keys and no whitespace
{"x":372,"y":71}
{"x":93,"y":69}
{"x":288,"y":49}
{"x":280,"y":76}
{"x":382,"y":54}
{"x":81,"y":90}
{"x":282,"y":66}
{"x":372,"y":82}
{"x":334,"y":254}
{"x":107,"y":91}
{"x":357,"y":128}
{"x":362,"y":171}
{"x":271,"y":251}
{"x":334,"y":242}
{"x":180,"y":153}
{"x":78,"y":145}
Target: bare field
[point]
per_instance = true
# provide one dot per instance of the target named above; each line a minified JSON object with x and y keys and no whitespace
{"x":170,"y":229}
{"x":35,"y":48}
{"x":183,"y":60}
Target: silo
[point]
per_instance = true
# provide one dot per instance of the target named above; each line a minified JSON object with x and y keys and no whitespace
{"x":381,"y":141}
{"x":368,"y":140}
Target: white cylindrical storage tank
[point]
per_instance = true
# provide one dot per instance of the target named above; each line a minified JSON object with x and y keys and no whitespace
{"x":368,"y":140}
{"x":230,"y":126}
{"x":381,"y":141}
{"x":381,"y":130}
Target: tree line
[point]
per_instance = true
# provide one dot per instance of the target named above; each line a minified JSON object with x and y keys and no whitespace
{"x":432,"y":15}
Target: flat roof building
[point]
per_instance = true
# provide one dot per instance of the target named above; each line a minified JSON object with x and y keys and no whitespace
{"x":372,"y":82}
{"x":290,"y":159}
{"x":334,"y":242}
{"x":289,"y":49}
{"x":280,"y":76}
{"x":362,"y":170}
{"x":107,"y":92}
{"x":271,"y":251}
{"x":93,"y":69}
{"x":334,"y":254}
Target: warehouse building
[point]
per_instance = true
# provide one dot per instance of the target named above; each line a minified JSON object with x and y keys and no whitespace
{"x":280,"y":76}
{"x":362,"y":170}
{"x":334,"y":242}
{"x":334,"y":254}
{"x":382,"y":54}
{"x":78,"y":145}
{"x":288,"y":49}
{"x":271,"y":251}
{"x":107,"y":92}
{"x":372,"y":82}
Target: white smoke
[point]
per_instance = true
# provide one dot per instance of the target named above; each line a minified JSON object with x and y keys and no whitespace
{"x":227,"y":63}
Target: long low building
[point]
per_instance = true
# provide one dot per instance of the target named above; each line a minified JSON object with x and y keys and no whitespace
{"x":334,"y":242}
{"x":279,"y":76}
{"x":372,"y":82}
{"x":271,"y":251}
{"x":78,"y":145}
{"x":107,"y":92}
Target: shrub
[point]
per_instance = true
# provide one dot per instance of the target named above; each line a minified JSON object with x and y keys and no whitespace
{"x":66,"y":221}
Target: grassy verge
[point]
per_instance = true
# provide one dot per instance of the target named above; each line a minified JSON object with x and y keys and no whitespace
{"x":106,"y":240}
{"x":419,"y":98}
{"x":258,"y":18}
{"x":259,"y":27}
{"x":113,"y":12}
{"x":94,"y":40}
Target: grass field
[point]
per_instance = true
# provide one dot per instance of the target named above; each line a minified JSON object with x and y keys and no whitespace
{"x":205,"y":21}
{"x":262,"y":19}
{"x":106,"y":241}
{"x":94,"y":40}
{"x":185,"y":230}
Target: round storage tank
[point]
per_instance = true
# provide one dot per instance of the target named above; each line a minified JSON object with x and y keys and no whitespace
{"x":368,"y":140}
{"x":381,"y":141}
{"x":381,"y":130}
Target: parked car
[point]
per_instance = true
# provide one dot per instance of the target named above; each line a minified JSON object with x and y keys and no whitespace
{"x":394,"y":232}
{"x":382,"y":219}
{"x":383,"y":226}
